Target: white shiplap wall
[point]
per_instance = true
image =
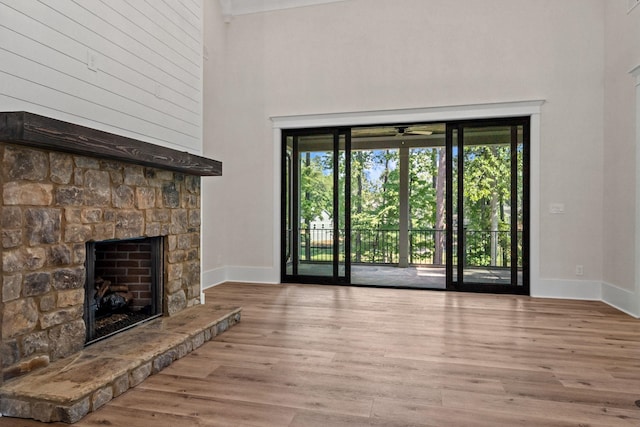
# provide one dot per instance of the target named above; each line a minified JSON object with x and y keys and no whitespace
{"x":130,"y":67}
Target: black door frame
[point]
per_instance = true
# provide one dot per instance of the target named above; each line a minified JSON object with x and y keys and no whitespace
{"x":455,"y":137}
{"x":295,"y":277}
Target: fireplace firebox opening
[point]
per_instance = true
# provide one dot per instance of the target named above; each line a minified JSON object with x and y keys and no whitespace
{"x":123,"y":286}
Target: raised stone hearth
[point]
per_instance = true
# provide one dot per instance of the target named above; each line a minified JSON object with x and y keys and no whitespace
{"x":69,"y":389}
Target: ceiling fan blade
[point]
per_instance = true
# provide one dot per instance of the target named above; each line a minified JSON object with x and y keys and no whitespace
{"x":419,"y":132}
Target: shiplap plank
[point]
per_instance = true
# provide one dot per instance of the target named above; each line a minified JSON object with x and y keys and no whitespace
{"x":127,"y":97}
{"x":138,"y":38}
{"x":192,"y":6}
{"x":193,"y":30}
{"x":133,"y":79}
{"x":168,"y":21}
{"x":157,"y":31}
{"x":32,"y":71}
{"x":92,"y":21}
{"x":32,"y":94}
{"x":102,"y":44}
{"x":177,"y":32}
{"x":193,"y":25}
{"x":148,"y":84}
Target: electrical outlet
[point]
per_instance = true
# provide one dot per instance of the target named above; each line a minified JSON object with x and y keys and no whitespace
{"x":579,"y":270}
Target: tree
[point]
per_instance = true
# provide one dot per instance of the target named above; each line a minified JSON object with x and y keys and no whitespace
{"x":487,"y":172}
{"x":440,"y":207}
{"x":316,"y":189}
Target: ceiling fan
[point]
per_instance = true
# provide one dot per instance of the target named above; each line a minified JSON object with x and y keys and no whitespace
{"x":396,"y":131}
{"x":412,"y":130}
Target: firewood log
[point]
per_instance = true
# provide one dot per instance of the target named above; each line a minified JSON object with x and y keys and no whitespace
{"x":104,"y":287}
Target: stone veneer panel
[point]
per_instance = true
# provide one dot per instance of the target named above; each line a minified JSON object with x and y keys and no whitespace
{"x":51,"y":205}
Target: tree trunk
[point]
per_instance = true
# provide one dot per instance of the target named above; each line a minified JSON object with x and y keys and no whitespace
{"x":494,"y":227}
{"x":360,"y":157}
{"x":439,"y":236}
{"x":385,"y":181}
{"x":307,"y":234}
{"x":494,"y":215}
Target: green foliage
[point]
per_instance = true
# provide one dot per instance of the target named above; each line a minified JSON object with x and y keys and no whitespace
{"x":375,"y":201}
{"x":316,"y":189}
{"x":422,"y":177}
{"x":487,"y":186}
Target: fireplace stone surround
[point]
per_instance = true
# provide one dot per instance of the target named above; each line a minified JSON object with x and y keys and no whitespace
{"x":64,"y":185}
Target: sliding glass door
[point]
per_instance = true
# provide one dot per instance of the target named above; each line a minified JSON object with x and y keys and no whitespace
{"x":428,"y":205}
{"x":488,"y":210}
{"x":315,"y":202}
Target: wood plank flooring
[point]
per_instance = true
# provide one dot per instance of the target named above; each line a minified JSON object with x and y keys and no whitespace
{"x":343,"y":356}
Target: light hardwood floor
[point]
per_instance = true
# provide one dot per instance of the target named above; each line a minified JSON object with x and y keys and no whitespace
{"x":343,"y":356}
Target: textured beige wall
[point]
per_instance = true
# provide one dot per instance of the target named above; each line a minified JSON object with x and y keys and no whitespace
{"x":622,"y":54}
{"x":214,"y":202}
{"x":363,"y":55}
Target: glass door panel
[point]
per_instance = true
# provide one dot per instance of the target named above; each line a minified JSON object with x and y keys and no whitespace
{"x":313,"y":205}
{"x":489,"y":206}
{"x":289,"y":248}
{"x":426,"y":201}
{"x":453,"y":186}
{"x":343,"y":221}
{"x":521,"y":200}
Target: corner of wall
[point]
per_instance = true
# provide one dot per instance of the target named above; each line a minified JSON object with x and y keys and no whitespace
{"x":214,"y":277}
{"x":589,"y":290}
{"x":621,"y":299}
{"x":231,"y":273}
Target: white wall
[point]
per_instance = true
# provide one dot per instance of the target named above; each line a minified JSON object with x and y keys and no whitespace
{"x":620,"y":167}
{"x":216,"y":205}
{"x":363,"y":55}
{"x":145,"y":80}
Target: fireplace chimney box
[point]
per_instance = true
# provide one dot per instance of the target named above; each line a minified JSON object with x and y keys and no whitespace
{"x":64,"y":186}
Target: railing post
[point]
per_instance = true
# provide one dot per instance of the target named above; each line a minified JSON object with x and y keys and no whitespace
{"x":403,"y":237}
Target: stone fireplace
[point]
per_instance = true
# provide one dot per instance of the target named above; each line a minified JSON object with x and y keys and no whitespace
{"x":67,"y":190}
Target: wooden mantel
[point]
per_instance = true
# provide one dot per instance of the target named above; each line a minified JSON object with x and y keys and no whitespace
{"x":38,"y":131}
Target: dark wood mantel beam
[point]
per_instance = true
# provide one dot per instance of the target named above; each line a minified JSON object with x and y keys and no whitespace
{"x":38,"y":131}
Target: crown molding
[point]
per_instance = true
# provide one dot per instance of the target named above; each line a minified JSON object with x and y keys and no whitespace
{"x":429,"y":114}
{"x":231,"y":8}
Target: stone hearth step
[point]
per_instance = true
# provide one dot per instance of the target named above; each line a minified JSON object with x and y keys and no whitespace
{"x":70,"y":388}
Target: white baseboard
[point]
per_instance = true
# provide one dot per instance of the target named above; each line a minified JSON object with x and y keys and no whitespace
{"x":214,"y":277}
{"x":220,"y":275}
{"x":252,"y":274}
{"x":567,"y":289}
{"x":621,"y":299}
